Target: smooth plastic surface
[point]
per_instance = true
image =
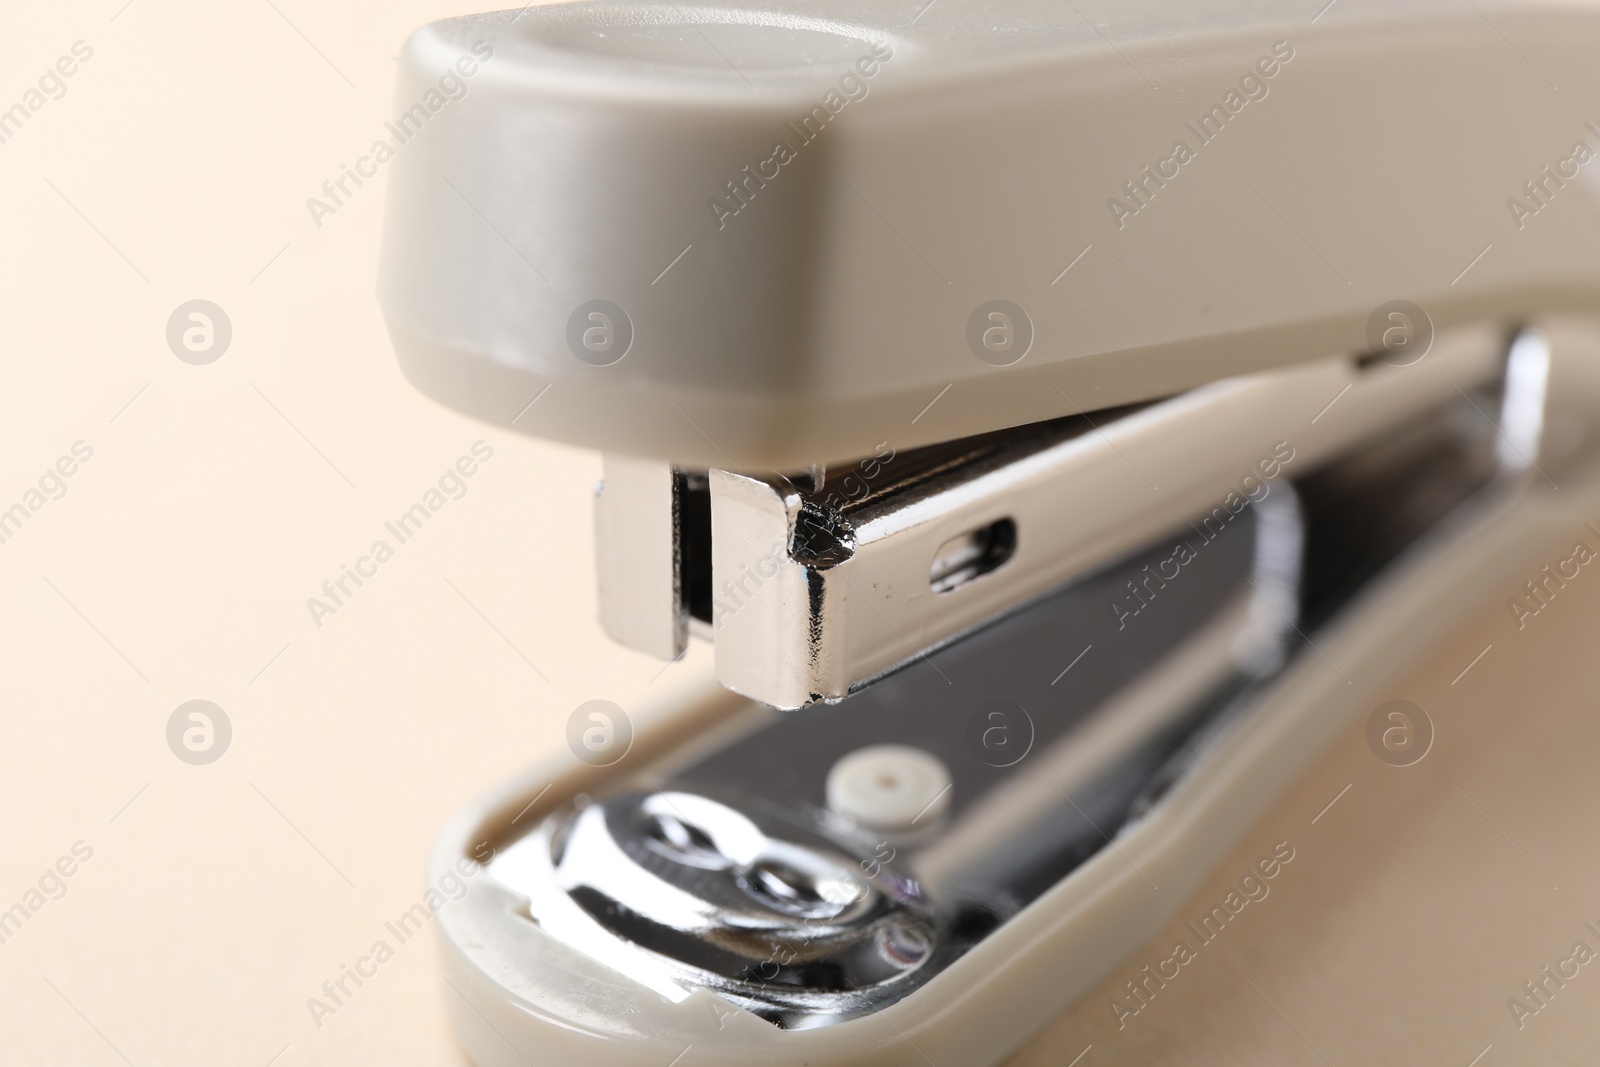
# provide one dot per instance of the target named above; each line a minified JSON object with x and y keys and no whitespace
{"x":889,"y":787}
{"x":796,"y":221}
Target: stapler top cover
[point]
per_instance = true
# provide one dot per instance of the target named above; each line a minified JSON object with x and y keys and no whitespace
{"x":770,"y":236}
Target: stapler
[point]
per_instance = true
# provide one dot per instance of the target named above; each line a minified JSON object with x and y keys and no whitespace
{"x":1063,"y":421}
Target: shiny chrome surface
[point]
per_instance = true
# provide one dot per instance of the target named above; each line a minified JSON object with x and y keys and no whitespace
{"x":818,"y":593}
{"x":1061,"y":725}
{"x":733,"y":875}
{"x":637,"y":533}
{"x":764,"y":907}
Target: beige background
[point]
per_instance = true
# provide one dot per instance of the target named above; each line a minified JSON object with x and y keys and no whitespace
{"x":205,"y":519}
{"x":219,"y":498}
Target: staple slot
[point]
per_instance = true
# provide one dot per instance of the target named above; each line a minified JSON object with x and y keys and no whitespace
{"x":972,"y":555}
{"x":693,"y":507}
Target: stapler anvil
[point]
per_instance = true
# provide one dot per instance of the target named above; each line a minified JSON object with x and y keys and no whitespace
{"x":1061,"y":422}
